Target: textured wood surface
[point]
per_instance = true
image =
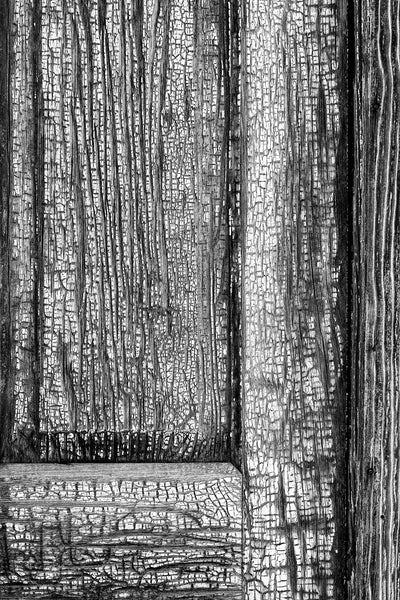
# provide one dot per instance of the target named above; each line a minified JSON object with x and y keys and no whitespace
{"x":294,"y":286}
{"x":139,"y":532}
{"x":124,"y":226}
{"x":120,"y":446}
{"x":6,"y":384}
{"x":121,"y":259}
{"x":375,"y":477}
{"x":35,"y":474}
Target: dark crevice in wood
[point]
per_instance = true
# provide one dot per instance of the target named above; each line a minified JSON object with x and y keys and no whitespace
{"x":343,"y":311}
{"x":235,"y":228}
{"x":243,"y":195}
{"x":38,"y":219}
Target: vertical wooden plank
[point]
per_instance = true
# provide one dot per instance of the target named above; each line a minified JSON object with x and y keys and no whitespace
{"x":144,"y":532}
{"x":295,"y":299}
{"x":6,"y":409}
{"x":25,"y":193}
{"x":374,"y":461}
{"x":212,"y":145}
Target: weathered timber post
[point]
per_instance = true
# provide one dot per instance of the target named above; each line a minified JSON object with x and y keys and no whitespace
{"x":294,"y":125}
{"x":374,"y":460}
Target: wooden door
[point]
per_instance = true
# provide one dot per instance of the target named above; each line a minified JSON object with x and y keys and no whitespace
{"x":172,"y":143}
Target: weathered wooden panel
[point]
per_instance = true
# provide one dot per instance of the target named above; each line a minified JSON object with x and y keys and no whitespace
{"x":124,"y":226}
{"x":294,"y":287}
{"x":375,"y":478}
{"x":6,"y":384}
{"x":101,"y":532}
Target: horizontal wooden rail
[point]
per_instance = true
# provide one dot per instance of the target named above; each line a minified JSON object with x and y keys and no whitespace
{"x":117,"y":532}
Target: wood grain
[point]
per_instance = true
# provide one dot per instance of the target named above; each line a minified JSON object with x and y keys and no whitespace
{"x":34,"y":474}
{"x":294,"y":298}
{"x":120,"y":446}
{"x":6,"y":384}
{"x":375,"y":343}
{"x":126,"y":220}
{"x":96,"y":532}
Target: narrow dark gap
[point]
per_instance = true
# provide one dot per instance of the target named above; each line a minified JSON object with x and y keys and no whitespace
{"x":345,"y":309}
{"x":38,"y":225}
{"x":235,"y":222}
